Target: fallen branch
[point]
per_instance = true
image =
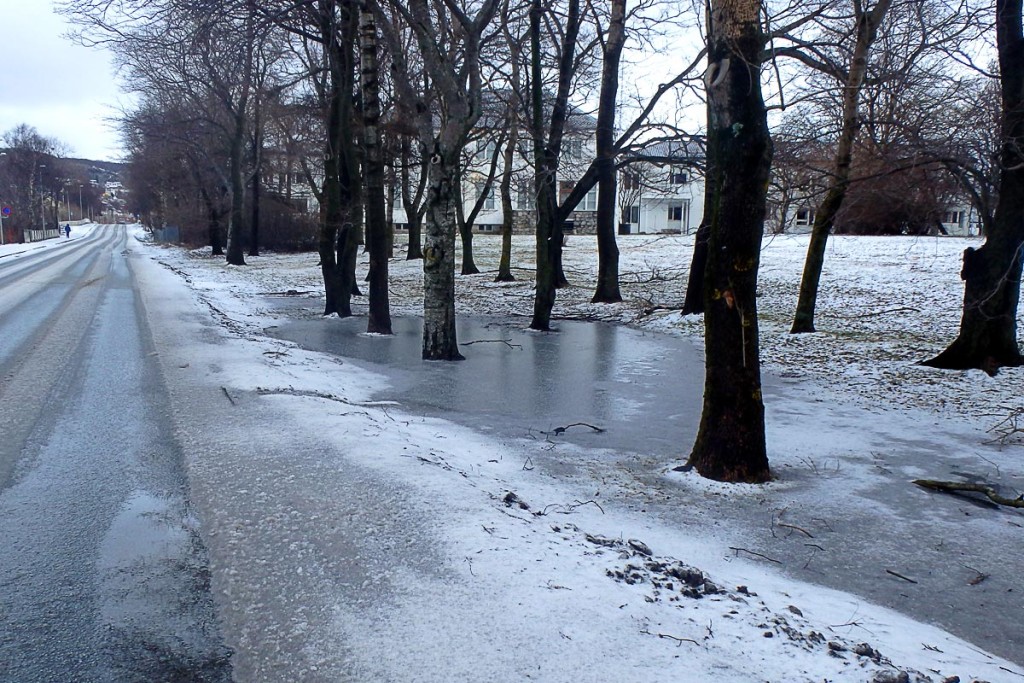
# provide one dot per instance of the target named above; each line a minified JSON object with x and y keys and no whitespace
{"x":796,"y":528}
{"x":506,"y":342}
{"x":679,"y":641}
{"x":225,"y":390}
{"x":900,"y":576}
{"x":751,"y":552}
{"x":960,"y":486}
{"x":561,"y":430}
{"x":901,"y":309}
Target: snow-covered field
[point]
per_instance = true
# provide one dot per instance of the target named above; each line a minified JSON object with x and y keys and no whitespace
{"x":531,"y":575}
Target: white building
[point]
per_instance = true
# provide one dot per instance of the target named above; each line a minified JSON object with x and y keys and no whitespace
{"x":659,"y":192}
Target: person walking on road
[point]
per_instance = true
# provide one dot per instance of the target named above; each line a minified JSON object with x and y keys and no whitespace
{"x":67,"y":230}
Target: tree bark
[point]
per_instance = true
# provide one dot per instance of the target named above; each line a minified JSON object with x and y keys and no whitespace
{"x":466,"y":236}
{"x":992,"y":273}
{"x":439,"y":339}
{"x":379,"y":318}
{"x":547,"y":151}
{"x":236,"y":233}
{"x":544,"y":183}
{"x":338,"y":241}
{"x":730,"y":443}
{"x":607,"y":250}
{"x":693,"y":302}
{"x":867,"y":24}
{"x":508,"y":161}
{"x":414,"y":251}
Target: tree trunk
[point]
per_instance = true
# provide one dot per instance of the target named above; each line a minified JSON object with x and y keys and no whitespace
{"x":257,"y":181}
{"x":508,"y":161}
{"x":992,"y":274}
{"x":607,"y":250}
{"x":379,"y":318}
{"x":693,"y":302}
{"x":414,"y":250}
{"x":544,"y":184}
{"x":236,"y":234}
{"x":254,"y":231}
{"x":439,"y":338}
{"x":546,"y":152}
{"x":867,"y":30}
{"x":730,"y":443}
{"x":465,"y":234}
{"x":212,"y":222}
{"x":337,"y":252}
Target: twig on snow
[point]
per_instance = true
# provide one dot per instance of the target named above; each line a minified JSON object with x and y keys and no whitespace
{"x":751,"y":552}
{"x":900,"y":576}
{"x":679,"y":641}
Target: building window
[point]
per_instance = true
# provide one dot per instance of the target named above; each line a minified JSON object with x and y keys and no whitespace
{"x":574,"y":148}
{"x":527,"y":200}
{"x":630,"y":181}
{"x":486,"y":147}
{"x":482,"y":190}
{"x":631,"y":214}
{"x":953,"y":217}
{"x":804,"y":216}
{"x":589,"y":202}
{"x":678,"y":176}
{"x":675,"y":212}
{"x":399,"y":202}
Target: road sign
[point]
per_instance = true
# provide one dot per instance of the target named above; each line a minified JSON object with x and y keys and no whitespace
{"x":6,"y":211}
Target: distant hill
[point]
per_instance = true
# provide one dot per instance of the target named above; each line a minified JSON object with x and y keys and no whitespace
{"x":100,"y":172}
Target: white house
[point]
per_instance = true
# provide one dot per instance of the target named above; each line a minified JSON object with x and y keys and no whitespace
{"x":660,"y":190}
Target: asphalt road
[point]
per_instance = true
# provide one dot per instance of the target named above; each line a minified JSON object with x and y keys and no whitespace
{"x":103,"y":576}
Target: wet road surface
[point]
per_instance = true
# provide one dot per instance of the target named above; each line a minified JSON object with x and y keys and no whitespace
{"x":103,"y":575}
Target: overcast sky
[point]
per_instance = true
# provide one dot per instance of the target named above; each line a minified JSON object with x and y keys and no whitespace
{"x":64,"y":90}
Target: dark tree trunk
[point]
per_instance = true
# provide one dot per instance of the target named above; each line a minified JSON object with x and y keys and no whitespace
{"x":867,"y":30}
{"x":414,"y":251}
{"x":693,"y":303}
{"x":730,"y":443}
{"x":254,"y":229}
{"x":379,"y":318}
{"x":607,"y":250}
{"x":212,"y":222}
{"x":236,"y":232}
{"x":508,"y":161}
{"x":992,"y":274}
{"x":236,"y":223}
{"x":546,"y":152}
{"x":337,"y":246}
{"x":466,"y":234}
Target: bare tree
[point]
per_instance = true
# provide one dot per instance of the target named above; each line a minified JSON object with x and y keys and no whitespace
{"x":607,"y":290}
{"x":992,"y":273}
{"x":448,"y":39}
{"x":379,"y":319}
{"x":730,"y":443}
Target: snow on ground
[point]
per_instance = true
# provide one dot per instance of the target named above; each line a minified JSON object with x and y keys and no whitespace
{"x":16,"y":249}
{"x":543,"y":578}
